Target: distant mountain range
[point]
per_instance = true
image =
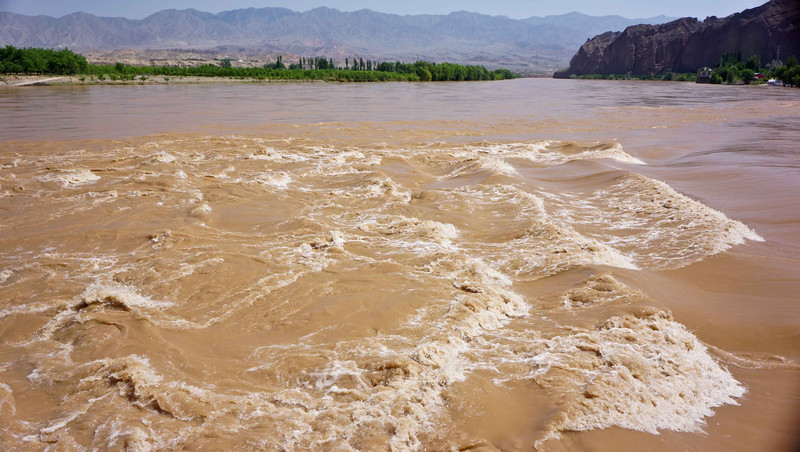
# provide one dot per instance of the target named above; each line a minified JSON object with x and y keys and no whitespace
{"x":533,"y":44}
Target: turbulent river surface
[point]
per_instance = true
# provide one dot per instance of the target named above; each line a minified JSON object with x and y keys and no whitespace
{"x":560,"y":265}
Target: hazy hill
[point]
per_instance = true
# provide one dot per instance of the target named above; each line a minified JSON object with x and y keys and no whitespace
{"x":537,"y":43}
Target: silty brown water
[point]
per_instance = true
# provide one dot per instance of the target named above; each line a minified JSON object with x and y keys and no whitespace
{"x":531,"y":263}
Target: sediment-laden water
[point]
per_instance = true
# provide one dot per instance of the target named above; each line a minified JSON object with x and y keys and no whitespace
{"x":534,"y":263}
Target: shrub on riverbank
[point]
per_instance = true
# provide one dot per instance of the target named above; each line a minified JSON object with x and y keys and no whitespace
{"x":41,"y":61}
{"x":789,"y":73}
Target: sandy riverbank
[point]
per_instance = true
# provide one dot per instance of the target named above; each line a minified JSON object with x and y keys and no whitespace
{"x":49,"y":80}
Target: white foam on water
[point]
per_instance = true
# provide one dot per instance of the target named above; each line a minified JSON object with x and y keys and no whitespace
{"x":345,"y":396}
{"x":164,"y":157}
{"x":550,"y":153}
{"x":500,"y":201}
{"x":10,"y":164}
{"x":614,"y":152}
{"x":409,"y":379}
{"x":498,"y":166}
{"x":477,"y":163}
{"x":383,"y":187}
{"x":98,"y":297}
{"x":654,"y":224}
{"x":7,"y":406}
{"x":202,"y":209}
{"x":485,"y":300}
{"x":542,"y":244}
{"x":71,"y":177}
{"x":405,"y":232}
{"x":389,"y":374}
{"x":273,"y":155}
{"x":117,"y":295}
{"x":598,"y":290}
{"x":545,"y":249}
{"x":279,"y":180}
{"x":186,"y":269}
{"x":643,"y":373}
{"x":221,"y":174}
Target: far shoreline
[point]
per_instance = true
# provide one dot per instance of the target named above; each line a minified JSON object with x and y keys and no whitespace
{"x":24,"y":81}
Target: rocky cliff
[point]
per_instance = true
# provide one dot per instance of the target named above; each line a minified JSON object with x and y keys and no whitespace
{"x":686,"y":44}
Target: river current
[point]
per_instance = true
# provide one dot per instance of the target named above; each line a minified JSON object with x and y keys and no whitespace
{"x":550,"y":264}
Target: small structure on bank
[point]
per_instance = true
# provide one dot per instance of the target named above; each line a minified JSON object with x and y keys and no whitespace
{"x":704,"y":75}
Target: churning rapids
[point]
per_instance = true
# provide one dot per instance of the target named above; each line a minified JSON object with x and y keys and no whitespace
{"x":376,"y":285}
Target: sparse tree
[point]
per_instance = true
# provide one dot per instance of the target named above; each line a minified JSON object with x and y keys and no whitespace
{"x":747,"y":75}
{"x":753,"y":63}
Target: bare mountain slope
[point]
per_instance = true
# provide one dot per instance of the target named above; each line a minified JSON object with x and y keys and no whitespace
{"x":537,"y":43}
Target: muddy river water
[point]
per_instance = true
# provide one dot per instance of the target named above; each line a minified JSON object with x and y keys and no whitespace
{"x":558,"y":264}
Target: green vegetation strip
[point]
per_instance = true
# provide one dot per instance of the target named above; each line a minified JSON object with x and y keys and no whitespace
{"x":730,"y":69}
{"x":65,"y":62}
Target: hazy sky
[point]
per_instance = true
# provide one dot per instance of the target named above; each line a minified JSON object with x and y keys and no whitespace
{"x":513,"y":8}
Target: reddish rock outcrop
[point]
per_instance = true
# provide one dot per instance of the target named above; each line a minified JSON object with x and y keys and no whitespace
{"x":686,"y":44}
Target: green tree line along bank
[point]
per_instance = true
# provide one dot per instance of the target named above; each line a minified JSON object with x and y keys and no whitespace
{"x":41,"y":61}
{"x":731,"y":69}
{"x":65,"y":62}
